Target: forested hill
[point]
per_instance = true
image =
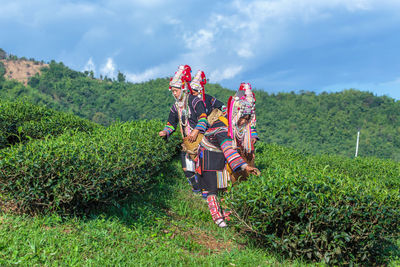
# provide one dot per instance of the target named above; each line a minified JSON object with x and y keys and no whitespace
{"x":323,"y":123}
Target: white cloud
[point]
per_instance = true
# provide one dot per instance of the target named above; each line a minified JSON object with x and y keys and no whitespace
{"x":202,"y":39}
{"x":144,"y":76}
{"x":172,"y":20}
{"x":90,"y":66}
{"x":245,"y":53}
{"x":44,"y":12}
{"x":226,"y":73}
{"x":251,"y":33}
{"x":242,"y":36}
{"x":389,"y":88}
{"x":109,"y":68}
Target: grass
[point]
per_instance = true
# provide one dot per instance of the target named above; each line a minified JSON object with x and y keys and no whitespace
{"x":169,"y":226}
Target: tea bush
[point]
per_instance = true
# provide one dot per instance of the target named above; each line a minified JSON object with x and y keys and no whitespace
{"x":383,"y":173}
{"x":78,"y":169}
{"x":310,"y":207}
{"x":21,"y":121}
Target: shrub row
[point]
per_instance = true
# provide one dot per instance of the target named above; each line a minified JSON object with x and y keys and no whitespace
{"x":309,"y":207}
{"x":77,"y":169}
{"x":20,"y":121}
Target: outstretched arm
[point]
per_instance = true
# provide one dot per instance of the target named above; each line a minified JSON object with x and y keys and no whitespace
{"x":172,"y":123}
{"x":235,"y":161}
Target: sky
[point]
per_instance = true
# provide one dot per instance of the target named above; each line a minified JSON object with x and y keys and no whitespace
{"x":275,"y":45}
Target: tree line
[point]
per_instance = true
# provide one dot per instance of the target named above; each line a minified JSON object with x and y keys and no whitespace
{"x":312,"y":123}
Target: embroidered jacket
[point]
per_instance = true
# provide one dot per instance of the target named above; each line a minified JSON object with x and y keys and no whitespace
{"x":212,"y":103}
{"x":195,"y":116}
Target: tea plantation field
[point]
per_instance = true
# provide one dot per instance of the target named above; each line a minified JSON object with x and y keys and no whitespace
{"x":73,"y":192}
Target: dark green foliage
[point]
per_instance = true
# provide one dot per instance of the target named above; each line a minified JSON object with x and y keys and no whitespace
{"x":20,"y":121}
{"x":102,"y":101}
{"x":78,"y":169}
{"x":324,"y":123}
{"x":330,"y":209}
{"x":121,"y":77}
{"x":2,"y":72}
{"x":328,"y":123}
{"x":3,"y":54}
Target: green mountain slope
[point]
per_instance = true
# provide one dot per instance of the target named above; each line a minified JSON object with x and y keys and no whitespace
{"x":324,"y":123}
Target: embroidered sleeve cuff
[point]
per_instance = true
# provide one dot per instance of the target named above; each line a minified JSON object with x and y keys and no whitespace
{"x":243,"y":166}
{"x":202,"y":124}
{"x":169,"y":129}
{"x":232,"y":156}
{"x":254,"y":134}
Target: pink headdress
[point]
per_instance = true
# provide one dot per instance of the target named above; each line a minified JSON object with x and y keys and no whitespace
{"x":238,"y":108}
{"x":245,"y":92}
{"x":181,"y":78}
{"x":198,"y":83}
{"x":243,"y":103}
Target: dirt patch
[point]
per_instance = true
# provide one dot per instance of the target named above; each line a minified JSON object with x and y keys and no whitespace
{"x":45,"y":227}
{"x":8,"y":207}
{"x":206,"y":239}
{"x":210,"y":243}
{"x":21,"y":70}
{"x":67,"y":230}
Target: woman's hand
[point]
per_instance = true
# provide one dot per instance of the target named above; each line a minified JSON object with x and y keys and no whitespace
{"x":193,"y":136}
{"x":162,"y":133}
{"x":252,"y":170}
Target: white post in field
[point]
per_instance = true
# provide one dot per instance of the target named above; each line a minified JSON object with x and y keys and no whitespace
{"x":358,"y":138}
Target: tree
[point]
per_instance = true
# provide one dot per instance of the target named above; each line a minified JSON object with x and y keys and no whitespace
{"x":121,"y":77}
{"x":3,"y":54}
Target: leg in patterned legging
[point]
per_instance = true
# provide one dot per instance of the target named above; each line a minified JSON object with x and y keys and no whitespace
{"x":208,"y":181}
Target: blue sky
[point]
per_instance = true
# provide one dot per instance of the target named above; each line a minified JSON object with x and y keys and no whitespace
{"x":276,"y":45}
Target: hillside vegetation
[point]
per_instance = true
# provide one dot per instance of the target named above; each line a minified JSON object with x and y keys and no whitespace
{"x":21,"y":121}
{"x":325,"y":123}
{"x":53,"y":161}
{"x":135,"y":207}
{"x":325,"y":208}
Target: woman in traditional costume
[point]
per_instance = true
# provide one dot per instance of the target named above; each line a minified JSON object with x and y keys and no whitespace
{"x":243,"y":137}
{"x":218,"y":148}
{"x":189,"y":112}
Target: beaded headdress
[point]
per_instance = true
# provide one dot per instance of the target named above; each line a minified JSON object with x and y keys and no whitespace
{"x":198,"y":83}
{"x":181,"y":78}
{"x":239,"y":105}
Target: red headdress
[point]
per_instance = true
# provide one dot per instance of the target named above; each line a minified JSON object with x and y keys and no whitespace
{"x":198,"y":83}
{"x":182,"y":78}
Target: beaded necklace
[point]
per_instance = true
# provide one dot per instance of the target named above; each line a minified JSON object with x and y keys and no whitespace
{"x":184,"y":114}
{"x":240,"y":132}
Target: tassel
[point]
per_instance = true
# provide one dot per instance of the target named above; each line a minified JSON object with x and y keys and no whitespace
{"x":230,"y":133}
